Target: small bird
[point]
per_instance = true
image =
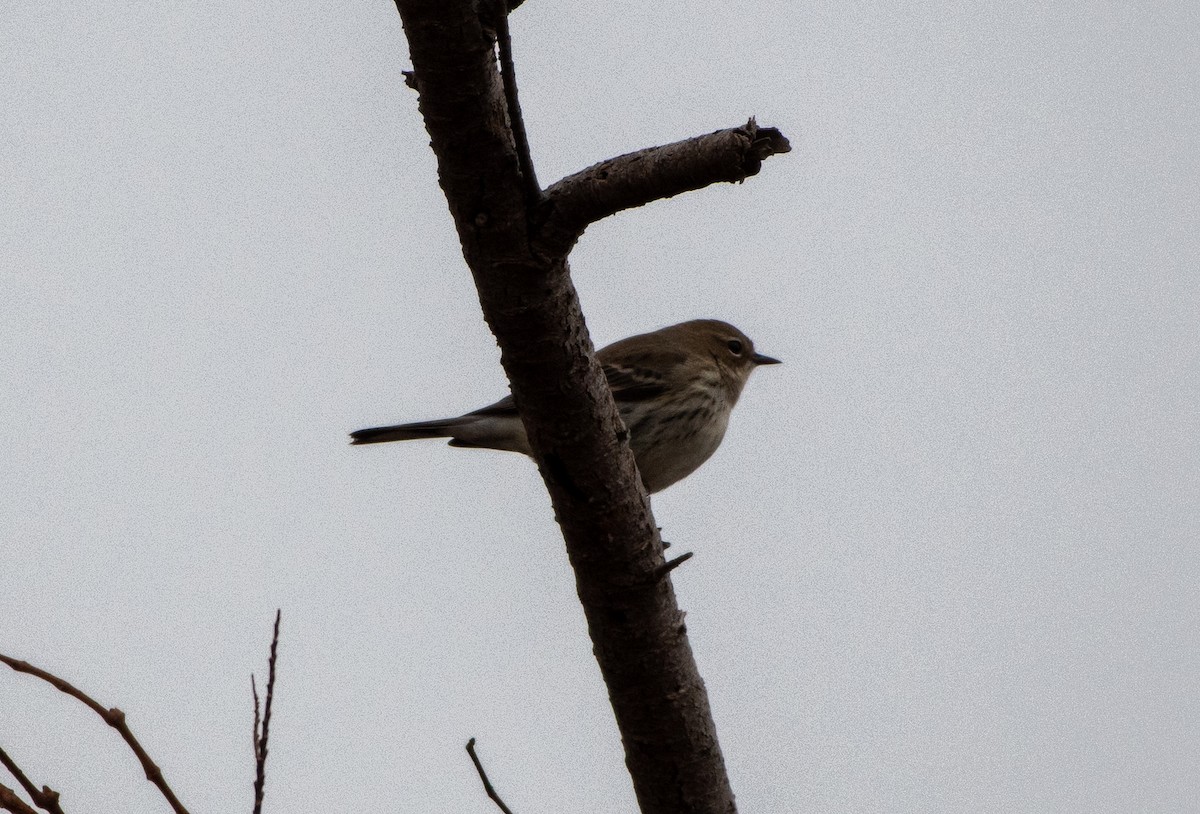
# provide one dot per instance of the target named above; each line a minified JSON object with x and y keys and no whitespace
{"x":674,"y":390}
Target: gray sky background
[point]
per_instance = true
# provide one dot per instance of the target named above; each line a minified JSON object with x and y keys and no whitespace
{"x":945,"y":561}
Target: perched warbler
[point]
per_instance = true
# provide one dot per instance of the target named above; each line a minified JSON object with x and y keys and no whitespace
{"x":674,"y":389}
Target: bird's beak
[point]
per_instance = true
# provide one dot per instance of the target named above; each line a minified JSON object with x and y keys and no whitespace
{"x":760,"y":359}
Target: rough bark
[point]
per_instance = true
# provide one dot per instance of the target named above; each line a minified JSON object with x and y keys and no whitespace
{"x":516,"y":244}
{"x":637,"y":178}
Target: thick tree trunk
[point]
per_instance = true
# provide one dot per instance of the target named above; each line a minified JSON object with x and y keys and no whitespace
{"x":515,"y":240}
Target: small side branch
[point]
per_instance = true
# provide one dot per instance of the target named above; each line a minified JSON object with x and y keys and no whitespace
{"x":44,"y":798}
{"x":262,"y":726}
{"x":516,"y":120}
{"x":487,"y":785}
{"x":9,"y":801}
{"x":636,"y":179}
{"x":113,"y":717}
{"x":661,"y":572}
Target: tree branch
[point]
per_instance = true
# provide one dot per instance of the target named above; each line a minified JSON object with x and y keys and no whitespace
{"x":487,"y":784}
{"x":578,"y":440}
{"x":670,"y":565}
{"x":44,"y":798}
{"x":9,"y":801}
{"x":113,"y":717}
{"x":262,"y":734}
{"x":636,"y":179}
{"x":516,"y":120}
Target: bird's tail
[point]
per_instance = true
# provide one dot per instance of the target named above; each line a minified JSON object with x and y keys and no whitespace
{"x":478,"y":429}
{"x":443,"y":428}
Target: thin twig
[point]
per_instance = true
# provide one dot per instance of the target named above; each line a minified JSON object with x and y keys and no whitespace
{"x":669,"y":566}
{"x":516,"y":120}
{"x":260,"y":737}
{"x":487,"y":784}
{"x":257,"y":719}
{"x":113,"y":717}
{"x":45,"y":798}
{"x":9,"y":801}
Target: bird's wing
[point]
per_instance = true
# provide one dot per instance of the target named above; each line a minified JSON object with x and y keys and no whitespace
{"x":636,"y":382}
{"x":633,"y":384}
{"x":630,"y":380}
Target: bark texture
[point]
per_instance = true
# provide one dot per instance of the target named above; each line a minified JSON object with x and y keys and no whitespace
{"x":516,"y":244}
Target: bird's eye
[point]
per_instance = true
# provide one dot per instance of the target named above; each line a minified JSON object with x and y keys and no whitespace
{"x":735,"y":346}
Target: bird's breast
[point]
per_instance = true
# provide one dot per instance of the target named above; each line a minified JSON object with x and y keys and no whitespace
{"x":671,"y":439}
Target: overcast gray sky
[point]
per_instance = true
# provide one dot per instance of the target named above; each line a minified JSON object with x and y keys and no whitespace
{"x":945,"y":561}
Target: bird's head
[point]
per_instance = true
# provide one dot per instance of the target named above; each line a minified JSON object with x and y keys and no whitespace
{"x":731,"y":350}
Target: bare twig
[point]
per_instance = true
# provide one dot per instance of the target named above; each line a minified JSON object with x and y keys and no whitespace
{"x":487,"y":785}
{"x":670,"y":565}
{"x":45,"y":798}
{"x":261,"y":735}
{"x":113,"y":717}
{"x":516,"y":121}
{"x":257,"y":719}
{"x":9,"y":801}
{"x":638,"y":178}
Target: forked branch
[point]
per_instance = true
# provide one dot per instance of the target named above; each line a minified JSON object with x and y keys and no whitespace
{"x":262,"y":723}
{"x":516,"y":246}
{"x":113,"y":717}
{"x":44,"y":798}
{"x":9,"y":801}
